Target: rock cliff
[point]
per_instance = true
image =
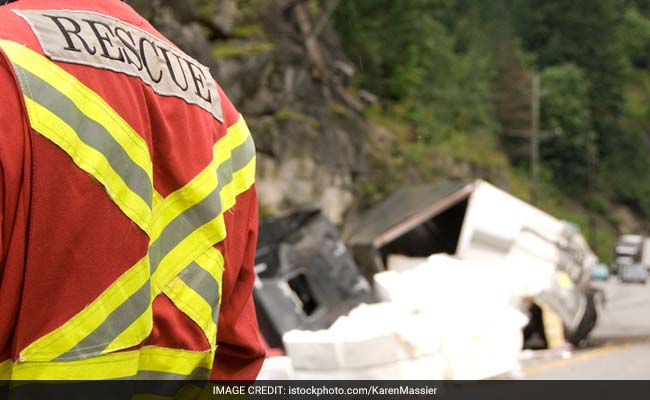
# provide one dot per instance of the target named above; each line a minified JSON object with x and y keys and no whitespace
{"x":281,"y":65}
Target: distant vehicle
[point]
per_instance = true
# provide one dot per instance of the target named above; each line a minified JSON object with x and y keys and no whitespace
{"x":629,"y":250}
{"x":600,"y":272}
{"x":633,"y":273}
{"x":645,"y":253}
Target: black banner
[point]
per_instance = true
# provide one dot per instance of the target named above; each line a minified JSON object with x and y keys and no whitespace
{"x":135,"y":390}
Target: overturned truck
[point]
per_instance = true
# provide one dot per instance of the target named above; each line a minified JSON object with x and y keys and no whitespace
{"x":477,"y":221}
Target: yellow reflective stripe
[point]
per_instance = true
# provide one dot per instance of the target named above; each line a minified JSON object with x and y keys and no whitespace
{"x":90,"y":160}
{"x":244,"y":178}
{"x":192,"y":193}
{"x":89,"y":102}
{"x":238,"y":132}
{"x":230,"y":153}
{"x":156,"y":203}
{"x":5,"y":370}
{"x":207,"y":235}
{"x":213,"y":262}
{"x":133,"y":333}
{"x":194,"y":306}
{"x":203,"y":183}
{"x":111,"y":366}
{"x":66,"y":337}
{"x":44,"y":81}
{"x":227,"y":198}
{"x":197,"y":291}
{"x":116,"y":365}
{"x":188,"y":250}
{"x":212,"y":232}
{"x":174,"y":361}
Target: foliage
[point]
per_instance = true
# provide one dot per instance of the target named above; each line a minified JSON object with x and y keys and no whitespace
{"x":455,"y":75}
{"x":635,"y":32}
{"x":237,"y":48}
{"x":414,"y":55}
{"x":565,"y":112}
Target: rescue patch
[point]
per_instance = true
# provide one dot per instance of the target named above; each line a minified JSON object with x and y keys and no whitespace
{"x":97,"y":40}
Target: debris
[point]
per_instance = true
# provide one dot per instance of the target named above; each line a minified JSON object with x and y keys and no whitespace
{"x":434,"y":316}
{"x":477,"y":221}
{"x":306,"y":278}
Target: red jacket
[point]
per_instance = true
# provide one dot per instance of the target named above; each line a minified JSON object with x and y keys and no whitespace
{"x":77,"y":219}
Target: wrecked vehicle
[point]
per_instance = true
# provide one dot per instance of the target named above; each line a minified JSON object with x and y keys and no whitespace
{"x":306,"y":278}
{"x":477,"y":221}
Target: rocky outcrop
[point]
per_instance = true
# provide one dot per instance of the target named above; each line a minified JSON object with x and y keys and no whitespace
{"x":281,"y":65}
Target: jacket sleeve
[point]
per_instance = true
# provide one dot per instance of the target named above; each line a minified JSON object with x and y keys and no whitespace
{"x":239,"y":353}
{"x":15,"y":161}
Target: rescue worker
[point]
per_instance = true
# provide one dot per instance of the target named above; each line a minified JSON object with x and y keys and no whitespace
{"x":128,"y":205}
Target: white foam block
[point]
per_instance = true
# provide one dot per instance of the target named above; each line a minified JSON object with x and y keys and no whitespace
{"x":276,"y":368}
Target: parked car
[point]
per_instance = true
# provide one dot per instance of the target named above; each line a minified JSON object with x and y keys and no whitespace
{"x":633,"y":273}
{"x":621,"y":261}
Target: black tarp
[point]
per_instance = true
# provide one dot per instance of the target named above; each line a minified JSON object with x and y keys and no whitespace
{"x":306,"y":277}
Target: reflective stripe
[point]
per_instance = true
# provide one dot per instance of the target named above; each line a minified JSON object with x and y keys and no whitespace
{"x":243,"y":154}
{"x":202,"y":283}
{"x":183,"y":228}
{"x":88,"y":131}
{"x":80,"y":122}
{"x":194,"y":306}
{"x":197,"y":292}
{"x":190,"y":194}
{"x":200,"y":226}
{"x":244,"y":179}
{"x":183,"y":225}
{"x":117,"y":322}
{"x":144,"y":323}
{"x":212,"y":261}
{"x":67,"y":337}
{"x":5,"y":370}
{"x":204,"y":209}
{"x":198,"y":374}
{"x":204,"y":182}
{"x":124,"y":365}
{"x":206,"y":236}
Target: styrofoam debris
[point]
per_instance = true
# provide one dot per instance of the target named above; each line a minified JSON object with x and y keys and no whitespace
{"x":276,"y":368}
{"x":400,"y":263}
{"x":424,"y":368}
{"x":457,"y":316}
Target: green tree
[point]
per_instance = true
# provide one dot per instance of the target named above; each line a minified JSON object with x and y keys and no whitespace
{"x":426,"y":58}
{"x":635,"y":37}
{"x":565,"y":109}
{"x":586,"y":33}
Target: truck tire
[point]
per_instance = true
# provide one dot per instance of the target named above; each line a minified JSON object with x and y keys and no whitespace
{"x":587,"y":323}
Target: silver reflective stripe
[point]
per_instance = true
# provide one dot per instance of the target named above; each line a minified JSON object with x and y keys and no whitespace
{"x":120,"y":319}
{"x":88,"y":130}
{"x":243,"y":154}
{"x":202,"y":283}
{"x":199,"y":374}
{"x":183,"y":225}
{"x":205,"y":210}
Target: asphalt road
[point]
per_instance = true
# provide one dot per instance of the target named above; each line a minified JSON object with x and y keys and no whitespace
{"x":619,"y":346}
